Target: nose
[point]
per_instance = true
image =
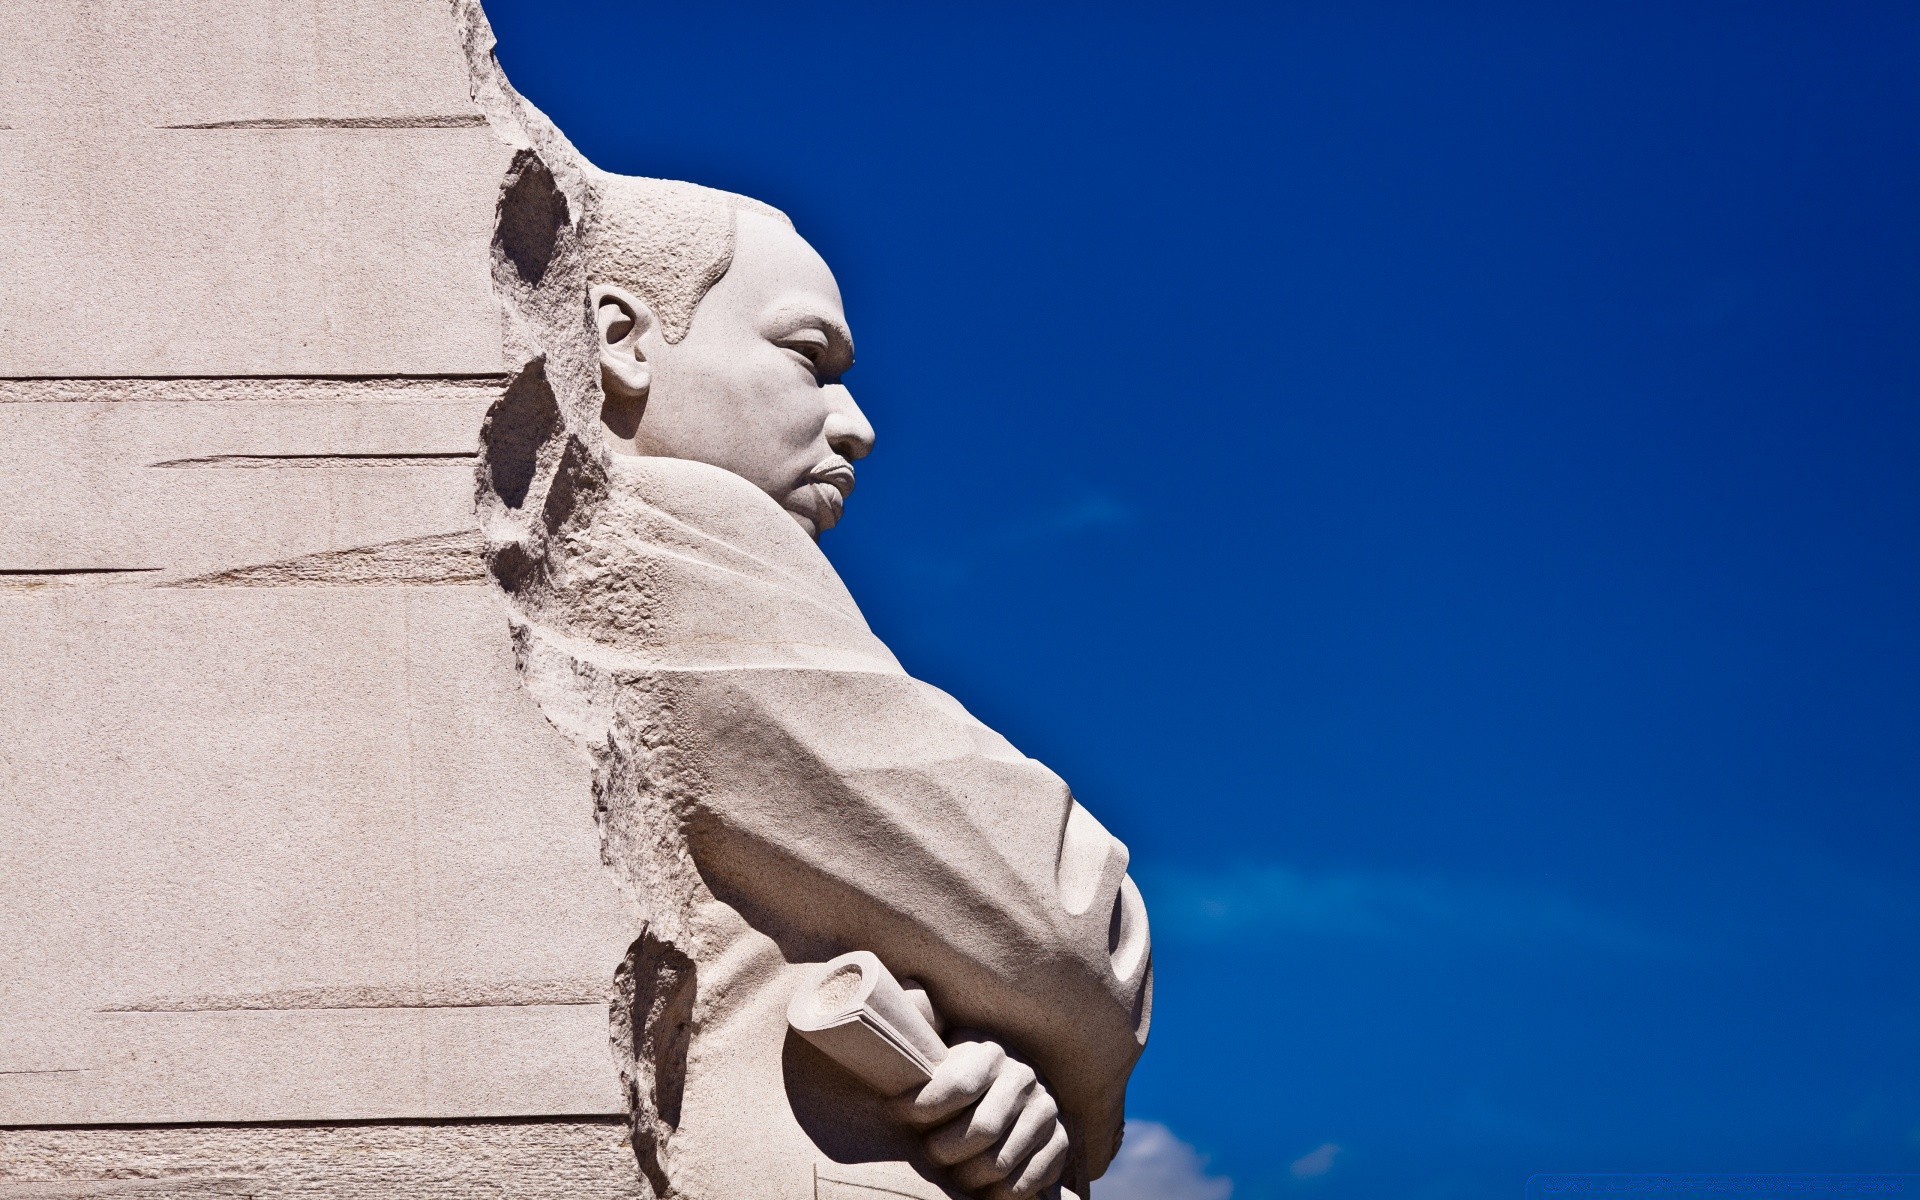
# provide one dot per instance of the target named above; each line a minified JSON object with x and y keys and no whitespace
{"x":847,"y":429}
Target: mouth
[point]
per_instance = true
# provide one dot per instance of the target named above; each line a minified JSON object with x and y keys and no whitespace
{"x":836,"y":472}
{"x":830,"y":483}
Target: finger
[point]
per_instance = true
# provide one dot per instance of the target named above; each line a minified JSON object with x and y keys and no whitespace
{"x":1030,"y":1133}
{"x":1042,"y":1169}
{"x":958,"y":1081}
{"x":917,"y":994}
{"x":989,"y":1119}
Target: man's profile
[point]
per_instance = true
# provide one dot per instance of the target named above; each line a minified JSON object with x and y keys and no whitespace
{"x":772,"y":788}
{"x":754,"y":386}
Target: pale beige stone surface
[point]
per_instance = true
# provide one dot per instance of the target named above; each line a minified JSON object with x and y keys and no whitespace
{"x":219,"y":187}
{"x":426,"y":704}
{"x":294,"y":852}
{"x":144,"y":64}
{"x":287,"y":840}
{"x":259,"y":252}
{"x":466,"y":1160}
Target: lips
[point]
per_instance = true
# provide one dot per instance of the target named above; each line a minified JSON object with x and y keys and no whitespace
{"x":823,"y":497}
{"x":836,"y":472}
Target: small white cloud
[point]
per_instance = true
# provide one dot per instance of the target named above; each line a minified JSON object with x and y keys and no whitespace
{"x":1155,"y":1165}
{"x":1314,"y":1162}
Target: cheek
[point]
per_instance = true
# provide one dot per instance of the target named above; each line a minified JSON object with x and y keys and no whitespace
{"x":755,"y":387}
{"x":754,"y":411}
{"x":731,"y":396}
{"x":787,"y":401}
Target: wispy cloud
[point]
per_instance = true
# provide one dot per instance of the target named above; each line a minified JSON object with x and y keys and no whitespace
{"x":1314,"y":1163}
{"x":1153,"y":1164}
{"x":1084,"y":512}
{"x":1381,"y":906}
{"x":1481,"y":1115}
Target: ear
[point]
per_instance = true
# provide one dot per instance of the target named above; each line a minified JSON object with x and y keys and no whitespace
{"x":621,"y":320}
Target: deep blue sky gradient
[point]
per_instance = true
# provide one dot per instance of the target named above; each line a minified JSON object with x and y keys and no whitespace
{"x":1442,"y":481}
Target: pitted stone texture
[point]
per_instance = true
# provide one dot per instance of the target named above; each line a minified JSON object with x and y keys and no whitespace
{"x":242,"y":187}
{"x":468,"y":1160}
{"x":146,"y":64}
{"x":278,"y":251}
{"x":291,"y":851}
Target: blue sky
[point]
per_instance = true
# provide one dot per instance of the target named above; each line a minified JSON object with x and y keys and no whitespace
{"x":1442,"y":481}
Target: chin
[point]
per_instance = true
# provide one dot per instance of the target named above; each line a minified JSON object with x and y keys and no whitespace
{"x":816,"y":506}
{"x":806,"y":523}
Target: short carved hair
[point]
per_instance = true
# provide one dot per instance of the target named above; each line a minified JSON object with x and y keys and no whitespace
{"x":665,"y":241}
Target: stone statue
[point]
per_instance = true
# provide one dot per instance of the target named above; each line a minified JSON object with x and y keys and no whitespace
{"x":772,"y":788}
{"x":438,"y":760}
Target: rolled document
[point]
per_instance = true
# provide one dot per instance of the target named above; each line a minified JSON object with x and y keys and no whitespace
{"x":856,"y":1012}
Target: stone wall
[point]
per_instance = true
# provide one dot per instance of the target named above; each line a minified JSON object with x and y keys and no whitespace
{"x":286,"y":839}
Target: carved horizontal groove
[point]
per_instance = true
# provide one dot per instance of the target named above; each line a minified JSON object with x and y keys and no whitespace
{"x":582,"y":1118}
{"x":43,"y":572}
{"x":86,"y":1189}
{"x":253,"y":388}
{"x":499,"y":377}
{"x":441,"y":558}
{"x":48,"y":1071}
{"x":544,"y":993}
{"x":428,"y":121}
{"x":837,"y":1186}
{"x":256,"y":462}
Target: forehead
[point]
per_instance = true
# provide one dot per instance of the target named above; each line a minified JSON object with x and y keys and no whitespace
{"x":774,"y":266}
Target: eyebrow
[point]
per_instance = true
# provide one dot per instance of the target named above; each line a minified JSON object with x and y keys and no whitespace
{"x":797,"y":315}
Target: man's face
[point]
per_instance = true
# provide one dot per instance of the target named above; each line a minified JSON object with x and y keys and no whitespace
{"x":754,"y":387}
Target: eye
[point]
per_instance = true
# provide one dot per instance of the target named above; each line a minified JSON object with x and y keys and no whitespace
{"x":809,"y":344}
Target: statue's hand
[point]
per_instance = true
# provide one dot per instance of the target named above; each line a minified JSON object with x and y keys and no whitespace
{"x":1006,"y":1143}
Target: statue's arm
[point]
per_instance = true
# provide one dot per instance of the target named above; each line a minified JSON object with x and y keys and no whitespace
{"x":868,"y":811}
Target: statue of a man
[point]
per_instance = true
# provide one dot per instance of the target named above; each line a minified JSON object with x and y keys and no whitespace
{"x":772,"y":788}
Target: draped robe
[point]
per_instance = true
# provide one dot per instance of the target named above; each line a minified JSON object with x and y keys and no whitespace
{"x":774,"y":789}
